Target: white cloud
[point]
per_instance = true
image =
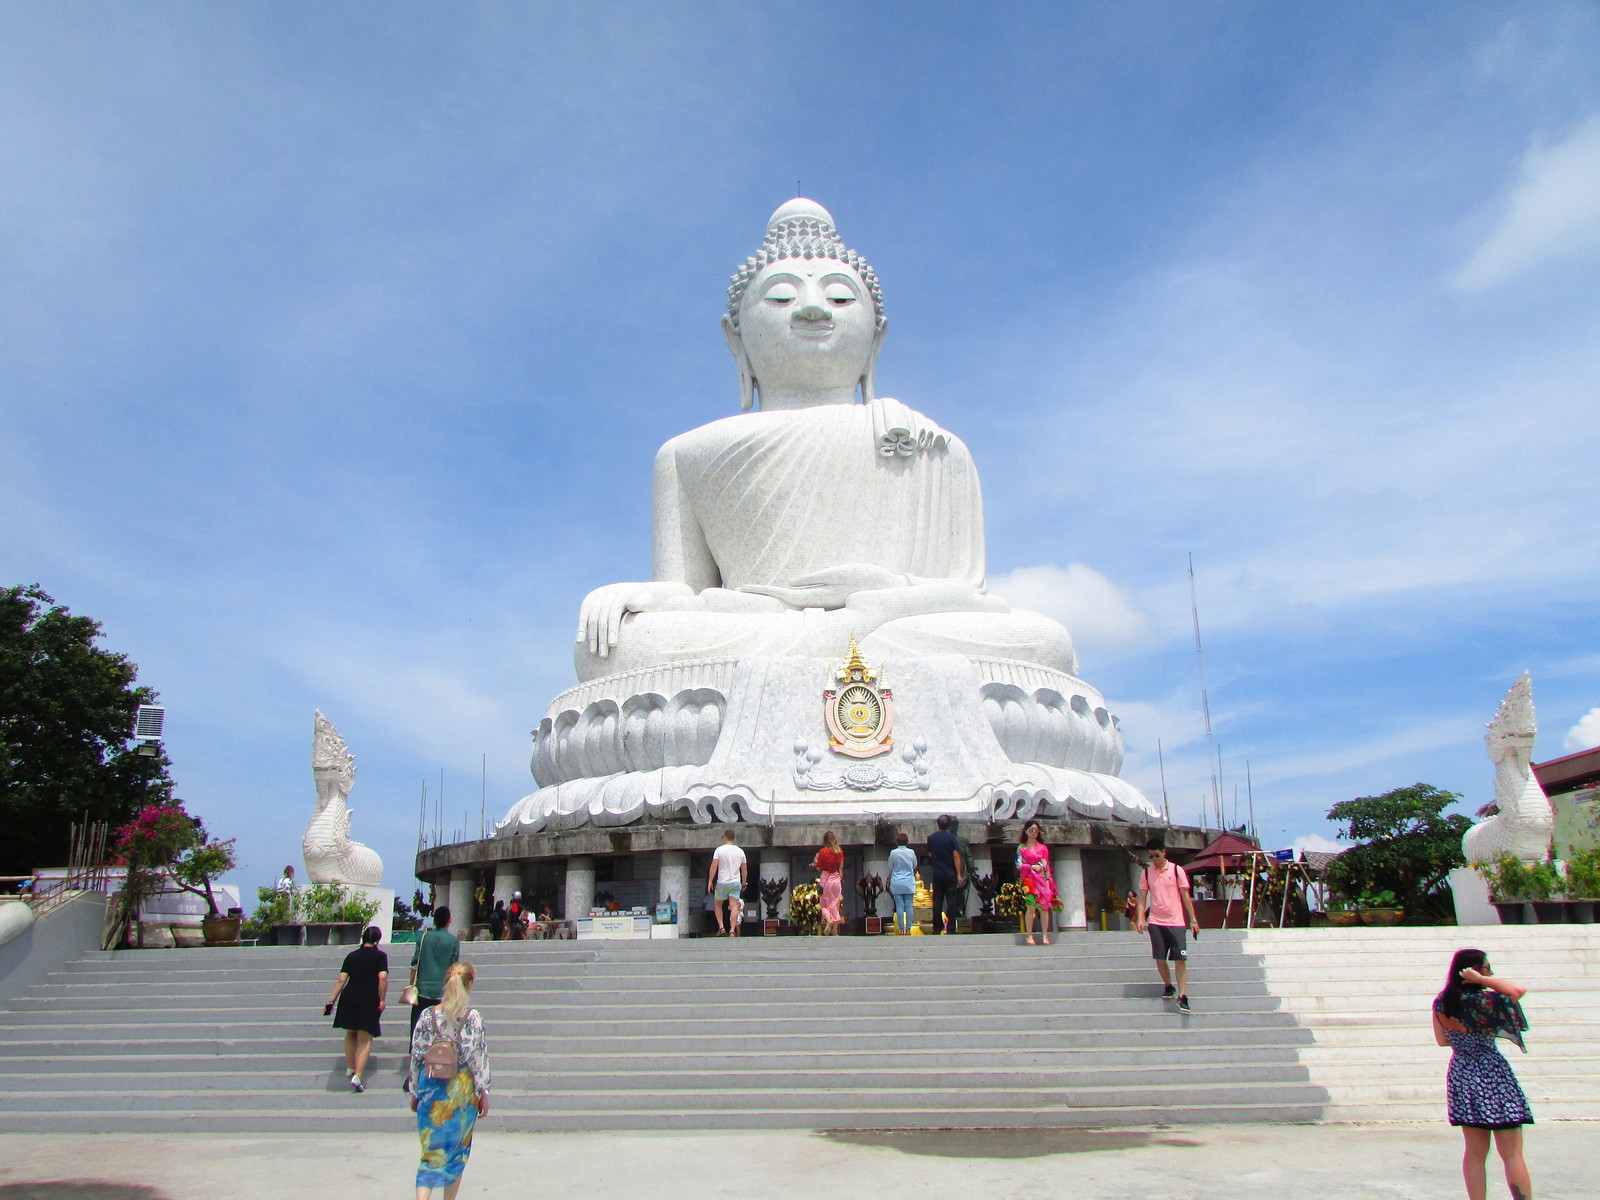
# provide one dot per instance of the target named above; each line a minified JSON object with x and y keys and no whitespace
{"x":1552,"y":211}
{"x":1097,"y":612}
{"x":1585,"y":733}
{"x":1316,"y":843}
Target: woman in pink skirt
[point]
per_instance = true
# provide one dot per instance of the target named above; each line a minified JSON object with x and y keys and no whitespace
{"x":830,"y":863}
{"x":1033,"y":869}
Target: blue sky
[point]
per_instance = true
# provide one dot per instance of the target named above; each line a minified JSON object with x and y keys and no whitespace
{"x":336,"y":342}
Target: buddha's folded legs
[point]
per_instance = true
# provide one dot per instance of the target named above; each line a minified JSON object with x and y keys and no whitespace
{"x":660,"y":639}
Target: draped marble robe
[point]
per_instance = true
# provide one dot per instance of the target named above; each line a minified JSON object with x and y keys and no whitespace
{"x":764,"y":499}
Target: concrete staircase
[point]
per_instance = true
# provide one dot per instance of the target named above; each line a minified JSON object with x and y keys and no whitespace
{"x":973,"y":1032}
{"x":1364,"y":996}
{"x":844,"y":1033}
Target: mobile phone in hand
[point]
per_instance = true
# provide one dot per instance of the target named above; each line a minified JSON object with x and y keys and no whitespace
{"x":327,"y":1009}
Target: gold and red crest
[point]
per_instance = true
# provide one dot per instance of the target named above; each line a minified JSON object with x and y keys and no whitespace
{"x":859,"y":713}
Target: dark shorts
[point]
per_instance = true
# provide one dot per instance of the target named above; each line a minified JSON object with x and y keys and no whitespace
{"x":1169,"y":941}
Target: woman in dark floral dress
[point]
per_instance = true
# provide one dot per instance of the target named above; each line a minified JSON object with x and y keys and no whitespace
{"x":1484,"y":1097}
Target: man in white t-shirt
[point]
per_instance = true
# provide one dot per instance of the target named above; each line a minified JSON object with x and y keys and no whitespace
{"x":1163,"y":902}
{"x":729,"y":873}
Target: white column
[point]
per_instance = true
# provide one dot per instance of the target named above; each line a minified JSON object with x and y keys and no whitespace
{"x":776,"y":866}
{"x":1067,"y":864}
{"x":460,"y":902}
{"x":580,"y":887}
{"x":507,"y":879}
{"x":675,"y":882}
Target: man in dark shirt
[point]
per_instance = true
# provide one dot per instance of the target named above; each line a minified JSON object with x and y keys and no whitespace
{"x":947,"y":872}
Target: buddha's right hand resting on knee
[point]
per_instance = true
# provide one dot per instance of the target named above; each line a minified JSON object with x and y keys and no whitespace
{"x":600,"y":618}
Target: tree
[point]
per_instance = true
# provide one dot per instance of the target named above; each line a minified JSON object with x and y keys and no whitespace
{"x":66,"y":714}
{"x":1406,"y":846}
{"x":165,"y":843}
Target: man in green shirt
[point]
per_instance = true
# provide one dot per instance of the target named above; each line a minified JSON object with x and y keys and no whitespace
{"x":436,"y":949}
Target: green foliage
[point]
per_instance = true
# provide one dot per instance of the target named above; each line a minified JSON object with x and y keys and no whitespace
{"x":1508,"y":879}
{"x":275,"y":907}
{"x":1583,"y":875}
{"x":805,"y":908}
{"x":163,"y":842}
{"x":333,"y":903}
{"x":1406,"y":847}
{"x":66,"y":715}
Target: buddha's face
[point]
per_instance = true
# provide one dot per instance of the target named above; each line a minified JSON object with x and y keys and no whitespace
{"x":808,"y":324}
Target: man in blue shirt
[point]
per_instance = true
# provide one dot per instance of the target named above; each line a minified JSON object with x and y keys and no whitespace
{"x":947,"y":874}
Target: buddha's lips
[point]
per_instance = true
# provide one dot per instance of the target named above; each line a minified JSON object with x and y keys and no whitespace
{"x":812,"y":328}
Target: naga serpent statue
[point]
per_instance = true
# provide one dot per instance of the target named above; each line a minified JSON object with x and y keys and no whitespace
{"x":1523,"y":826}
{"x":331,"y":857}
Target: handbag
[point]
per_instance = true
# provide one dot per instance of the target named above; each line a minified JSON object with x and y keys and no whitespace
{"x":409,"y":993}
{"x":443,"y":1057}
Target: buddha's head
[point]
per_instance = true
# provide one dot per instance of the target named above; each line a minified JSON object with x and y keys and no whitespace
{"x":805,"y":314}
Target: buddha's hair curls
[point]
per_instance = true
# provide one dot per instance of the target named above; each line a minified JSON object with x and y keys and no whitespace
{"x":802,"y":237}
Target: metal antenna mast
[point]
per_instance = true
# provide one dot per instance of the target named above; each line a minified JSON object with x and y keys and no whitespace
{"x":483,"y":796}
{"x":1250,"y":791}
{"x":1166,"y":809}
{"x":1205,"y":697}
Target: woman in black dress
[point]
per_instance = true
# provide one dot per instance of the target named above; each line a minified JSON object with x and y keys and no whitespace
{"x":1484,"y":1097}
{"x":362,"y":992}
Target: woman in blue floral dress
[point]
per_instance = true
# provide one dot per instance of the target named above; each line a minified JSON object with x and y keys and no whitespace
{"x":447,"y":1109}
{"x":1484,"y":1097}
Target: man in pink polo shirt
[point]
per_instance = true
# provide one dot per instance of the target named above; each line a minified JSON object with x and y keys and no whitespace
{"x":1163,"y":901}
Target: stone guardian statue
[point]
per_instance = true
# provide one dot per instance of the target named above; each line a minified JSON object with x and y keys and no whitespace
{"x":331,"y":857}
{"x":1526,"y":822}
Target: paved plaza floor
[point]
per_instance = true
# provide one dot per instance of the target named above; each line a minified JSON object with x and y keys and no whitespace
{"x":1206,"y":1162}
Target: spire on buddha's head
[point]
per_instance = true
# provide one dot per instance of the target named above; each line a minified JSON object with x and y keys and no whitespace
{"x":801,"y":228}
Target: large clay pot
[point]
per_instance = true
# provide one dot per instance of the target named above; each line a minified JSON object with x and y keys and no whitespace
{"x":221,"y":931}
{"x":1345,"y":919}
{"x":1382,"y":916}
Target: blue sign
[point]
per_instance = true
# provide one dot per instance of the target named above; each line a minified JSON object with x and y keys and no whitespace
{"x":1283,"y":855}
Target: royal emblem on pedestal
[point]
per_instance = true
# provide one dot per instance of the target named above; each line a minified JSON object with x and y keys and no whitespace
{"x":860,"y":713}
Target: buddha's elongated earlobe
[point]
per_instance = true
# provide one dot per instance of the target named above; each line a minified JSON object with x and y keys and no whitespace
{"x":747,"y":380}
{"x":868,"y":393}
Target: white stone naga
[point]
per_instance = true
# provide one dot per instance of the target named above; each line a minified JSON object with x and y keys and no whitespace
{"x":1524,"y":825}
{"x":331,"y":857}
{"x":822,"y":513}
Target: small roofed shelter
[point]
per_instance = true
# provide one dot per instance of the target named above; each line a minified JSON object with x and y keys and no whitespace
{"x":1573,"y":785}
{"x":1228,"y":852}
{"x":1266,"y":892}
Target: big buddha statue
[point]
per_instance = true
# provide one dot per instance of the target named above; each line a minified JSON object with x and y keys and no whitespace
{"x":823,"y":530}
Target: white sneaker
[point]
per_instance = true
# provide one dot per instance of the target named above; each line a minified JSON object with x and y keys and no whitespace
{"x":355,"y":1082}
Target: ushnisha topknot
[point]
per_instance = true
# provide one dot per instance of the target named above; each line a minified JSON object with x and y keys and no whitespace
{"x":801,"y":229}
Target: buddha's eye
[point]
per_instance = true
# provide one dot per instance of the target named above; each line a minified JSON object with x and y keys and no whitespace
{"x":783,"y":293}
{"x":838,"y":295}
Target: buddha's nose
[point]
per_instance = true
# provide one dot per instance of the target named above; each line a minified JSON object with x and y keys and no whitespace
{"x":812,"y":312}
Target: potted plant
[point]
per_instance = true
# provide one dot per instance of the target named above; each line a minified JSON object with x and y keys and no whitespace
{"x":335,"y":916}
{"x":276,"y":920}
{"x":1515,"y":887}
{"x":1342,"y":913}
{"x":195,"y":869}
{"x":1380,"y":907}
{"x":1583,"y":884}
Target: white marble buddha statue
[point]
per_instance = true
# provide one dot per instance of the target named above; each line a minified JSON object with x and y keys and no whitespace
{"x":820,"y":512}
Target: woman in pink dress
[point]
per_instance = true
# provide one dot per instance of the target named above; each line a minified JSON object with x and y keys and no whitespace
{"x":830,"y":863}
{"x":1033,"y":869}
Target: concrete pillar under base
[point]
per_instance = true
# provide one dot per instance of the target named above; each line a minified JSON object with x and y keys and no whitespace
{"x":1067,"y":864}
{"x":460,"y":902}
{"x":580,"y":887}
{"x":507,"y":880}
{"x":776,"y":866}
{"x":675,"y":882}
